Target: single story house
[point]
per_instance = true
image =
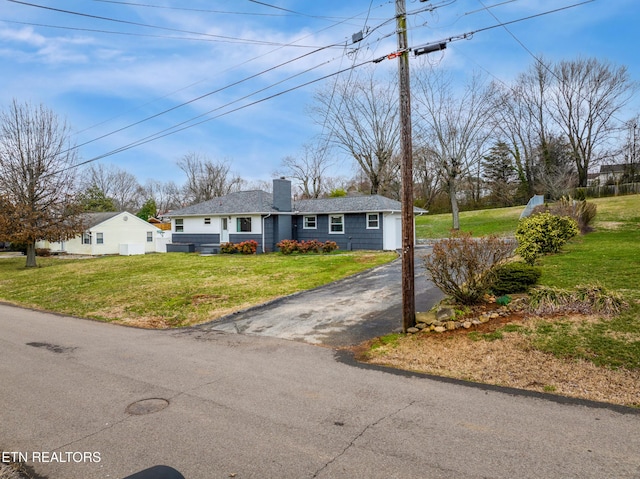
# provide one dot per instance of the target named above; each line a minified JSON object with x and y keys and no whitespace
{"x":113,"y":233}
{"x":356,"y":222}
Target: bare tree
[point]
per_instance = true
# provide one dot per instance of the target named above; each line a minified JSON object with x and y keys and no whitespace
{"x":117,"y":184}
{"x":37,"y":178}
{"x":427,"y":178}
{"x":455,"y":125}
{"x":522,"y":116}
{"x":167,"y":196}
{"x":206,"y":179}
{"x":308,"y":169}
{"x":363,"y":114}
{"x":555,"y":170}
{"x":585,"y":101}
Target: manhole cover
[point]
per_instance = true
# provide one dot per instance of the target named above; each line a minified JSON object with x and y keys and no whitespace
{"x":147,"y":406}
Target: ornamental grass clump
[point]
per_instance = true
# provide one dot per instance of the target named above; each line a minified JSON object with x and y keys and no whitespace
{"x":463,"y":267}
{"x":587,"y":299}
{"x":543,"y":233}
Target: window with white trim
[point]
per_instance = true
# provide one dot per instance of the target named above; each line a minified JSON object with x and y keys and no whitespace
{"x":179,"y":225}
{"x":243,"y":225}
{"x":86,"y":238}
{"x":310,"y":222}
{"x":336,"y":224}
{"x":99,"y":238}
{"x":373,"y":221}
{"x":149,"y":236}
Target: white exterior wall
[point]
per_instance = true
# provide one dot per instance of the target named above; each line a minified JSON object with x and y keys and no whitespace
{"x":196,"y":225}
{"x":392,"y":231}
{"x":124,"y":228}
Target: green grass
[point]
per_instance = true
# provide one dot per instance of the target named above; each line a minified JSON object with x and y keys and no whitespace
{"x":609,"y":256}
{"x":612,"y":343}
{"x":173,"y":289}
{"x":502,"y":221}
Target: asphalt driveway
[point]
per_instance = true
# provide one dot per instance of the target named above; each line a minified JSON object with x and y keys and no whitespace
{"x":340,"y":314}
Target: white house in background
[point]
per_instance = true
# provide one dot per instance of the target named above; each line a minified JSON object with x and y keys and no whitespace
{"x":113,"y":233}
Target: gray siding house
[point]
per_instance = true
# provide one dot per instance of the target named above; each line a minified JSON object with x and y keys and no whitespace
{"x":360,"y":222}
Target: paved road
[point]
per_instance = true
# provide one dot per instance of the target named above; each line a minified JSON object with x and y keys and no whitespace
{"x":259,"y":407}
{"x":344,"y":313}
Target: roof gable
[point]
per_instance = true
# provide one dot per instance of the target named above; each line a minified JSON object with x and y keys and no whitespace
{"x":92,"y":220}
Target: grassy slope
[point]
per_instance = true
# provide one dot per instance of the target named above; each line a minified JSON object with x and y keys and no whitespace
{"x":172,"y":289}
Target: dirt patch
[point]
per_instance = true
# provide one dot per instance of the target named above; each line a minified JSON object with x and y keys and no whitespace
{"x":510,"y":361}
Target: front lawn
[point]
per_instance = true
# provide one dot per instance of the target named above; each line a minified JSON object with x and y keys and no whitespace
{"x":586,"y":356}
{"x":174,"y":289}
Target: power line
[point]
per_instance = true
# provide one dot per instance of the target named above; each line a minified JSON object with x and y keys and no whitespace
{"x":127,"y":22}
{"x":466,"y":36}
{"x":111,"y":32}
{"x":173,"y":130}
{"x":288,"y":13}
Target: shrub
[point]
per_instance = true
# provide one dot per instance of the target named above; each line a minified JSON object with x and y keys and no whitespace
{"x":329,"y":246}
{"x":247,"y":247}
{"x":543,"y":233}
{"x":43,"y":252}
{"x":287,"y":246}
{"x":228,"y":248}
{"x":581,"y":211}
{"x":303,"y":247}
{"x":516,"y":277}
{"x":463,"y":267}
{"x":311,"y":246}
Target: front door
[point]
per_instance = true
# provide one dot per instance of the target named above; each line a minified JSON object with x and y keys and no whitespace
{"x":224,"y":235}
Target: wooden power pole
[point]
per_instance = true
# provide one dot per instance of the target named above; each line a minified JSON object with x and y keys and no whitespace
{"x":408,"y":257}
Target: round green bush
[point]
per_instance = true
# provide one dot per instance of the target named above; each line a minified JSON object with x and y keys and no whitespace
{"x":515,"y":277}
{"x":543,"y":233}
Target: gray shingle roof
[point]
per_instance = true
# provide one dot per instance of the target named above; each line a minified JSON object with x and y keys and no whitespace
{"x":93,"y":219}
{"x":261,"y":202}
{"x":242,"y":202}
{"x":350,"y":204}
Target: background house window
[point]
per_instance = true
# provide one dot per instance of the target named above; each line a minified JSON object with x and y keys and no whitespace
{"x":243,"y":225}
{"x":207,"y":221}
{"x":86,"y":238}
{"x":179,"y":225}
{"x":310,"y":223}
{"x":149,"y":236}
{"x":336,"y":224}
{"x":373,"y":221}
{"x":99,"y":238}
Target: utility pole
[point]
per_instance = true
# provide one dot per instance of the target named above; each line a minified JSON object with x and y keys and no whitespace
{"x":408,"y":257}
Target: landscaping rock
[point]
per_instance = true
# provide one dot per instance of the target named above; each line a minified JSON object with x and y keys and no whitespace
{"x":412,"y":330}
{"x":466,"y":324}
{"x":427,"y":318}
{"x":450,"y":325}
{"x":421,"y":325}
{"x":445,"y":313}
{"x":440,"y":329}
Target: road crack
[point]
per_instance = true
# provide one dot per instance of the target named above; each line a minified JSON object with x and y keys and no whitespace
{"x":359,"y":435}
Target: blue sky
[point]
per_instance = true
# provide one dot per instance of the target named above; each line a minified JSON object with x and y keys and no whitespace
{"x":122,"y":71}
